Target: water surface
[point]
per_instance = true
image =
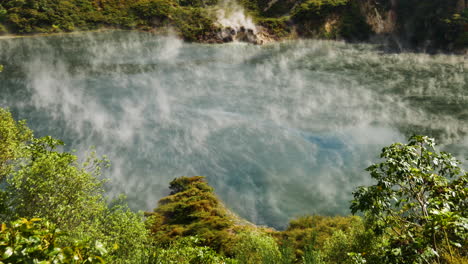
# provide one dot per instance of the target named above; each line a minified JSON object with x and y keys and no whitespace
{"x":279,"y":130}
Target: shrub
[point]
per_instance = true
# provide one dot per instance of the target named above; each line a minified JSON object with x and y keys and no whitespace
{"x":419,"y":201}
{"x":41,"y":182}
{"x":316,"y":9}
{"x":35,"y":241}
{"x":256,"y":247}
{"x":14,"y":138}
{"x":191,"y":209}
{"x":310,"y":233}
{"x":186,"y":250}
{"x":353,"y":244}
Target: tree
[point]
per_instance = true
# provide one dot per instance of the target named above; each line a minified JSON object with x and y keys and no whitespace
{"x":39,"y":181}
{"x":14,"y":137}
{"x":419,"y":201}
{"x":51,"y":184}
{"x":192,"y":208}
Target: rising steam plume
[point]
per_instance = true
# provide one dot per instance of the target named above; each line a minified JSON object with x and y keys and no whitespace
{"x":279,"y":130}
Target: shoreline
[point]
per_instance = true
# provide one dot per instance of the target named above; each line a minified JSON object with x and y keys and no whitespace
{"x":15,"y":36}
{"x":167,"y":31}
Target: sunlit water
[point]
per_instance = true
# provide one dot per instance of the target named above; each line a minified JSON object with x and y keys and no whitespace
{"x":279,"y":130}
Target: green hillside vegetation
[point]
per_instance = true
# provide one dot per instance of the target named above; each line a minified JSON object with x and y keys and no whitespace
{"x":192,"y":209}
{"x":53,"y":210}
{"x":425,"y":24}
{"x":189,"y":18}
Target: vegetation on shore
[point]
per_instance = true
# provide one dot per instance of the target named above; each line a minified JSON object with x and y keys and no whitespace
{"x":436,"y":24}
{"x":53,"y":210}
{"x":189,"y":18}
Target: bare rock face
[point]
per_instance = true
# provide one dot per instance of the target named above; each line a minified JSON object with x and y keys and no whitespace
{"x":381,"y":17}
{"x":242,"y":34}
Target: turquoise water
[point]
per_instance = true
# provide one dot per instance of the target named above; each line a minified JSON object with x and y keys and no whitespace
{"x":279,"y":130}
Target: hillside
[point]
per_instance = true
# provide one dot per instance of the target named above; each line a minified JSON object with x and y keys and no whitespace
{"x":422,"y":25}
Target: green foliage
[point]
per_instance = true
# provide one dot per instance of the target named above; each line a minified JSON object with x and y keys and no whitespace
{"x":14,"y":137}
{"x":3,"y":13}
{"x":277,"y":27}
{"x":186,"y":250}
{"x":154,"y":9}
{"x":256,"y":247}
{"x":123,"y":232}
{"x":331,"y":19}
{"x":35,"y":241}
{"x":354,"y":245}
{"x":310,"y":233}
{"x":53,"y":185}
{"x":191,"y":209}
{"x":269,"y":9}
{"x":415,"y":213}
{"x":40,"y":181}
{"x":316,"y":9}
{"x":188,"y":17}
{"x":197,"y":3}
{"x":434,"y":22}
{"x":419,"y":201}
{"x":195,"y":24}
{"x":312,"y":256}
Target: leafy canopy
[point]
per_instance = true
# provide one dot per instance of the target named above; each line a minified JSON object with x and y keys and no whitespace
{"x":419,"y":200}
{"x":35,"y":241}
{"x":40,"y":181}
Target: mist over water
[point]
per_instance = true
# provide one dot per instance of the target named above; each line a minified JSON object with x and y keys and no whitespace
{"x":279,"y":130}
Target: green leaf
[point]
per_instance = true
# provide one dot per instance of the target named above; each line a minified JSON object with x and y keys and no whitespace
{"x":8,"y":253}
{"x":100,"y":247}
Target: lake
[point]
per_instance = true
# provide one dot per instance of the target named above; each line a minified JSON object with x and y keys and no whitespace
{"x":279,"y":130}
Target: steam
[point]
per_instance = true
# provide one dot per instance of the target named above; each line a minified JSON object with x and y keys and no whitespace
{"x":232,"y":15}
{"x":280,"y":130}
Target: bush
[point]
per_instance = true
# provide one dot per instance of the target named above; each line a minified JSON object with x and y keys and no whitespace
{"x":310,"y":233}
{"x":186,"y":250}
{"x":316,"y":9}
{"x":191,"y":209}
{"x":419,"y":201}
{"x":124,"y":234}
{"x":256,"y":247}
{"x":35,"y":241}
{"x":352,"y":245}
{"x":15,"y":137}
{"x":41,"y":182}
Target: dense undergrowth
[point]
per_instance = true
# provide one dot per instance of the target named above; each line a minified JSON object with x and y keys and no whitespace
{"x":437,"y":24}
{"x":53,"y":210}
{"x":190,"y":18}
